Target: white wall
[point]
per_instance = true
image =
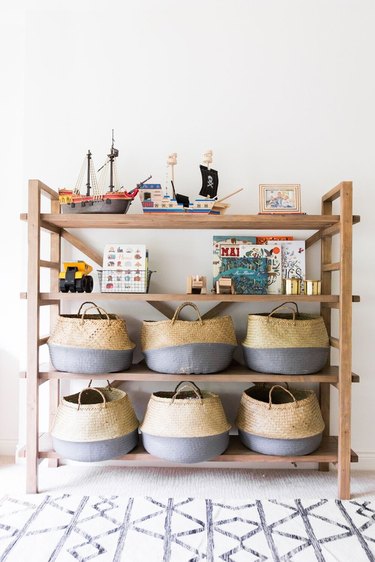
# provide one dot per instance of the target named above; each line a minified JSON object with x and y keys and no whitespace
{"x":281,"y":91}
{"x":12,"y":54}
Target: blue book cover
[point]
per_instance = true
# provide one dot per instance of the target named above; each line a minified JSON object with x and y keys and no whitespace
{"x":249,"y":274}
{"x":237,"y":247}
{"x":227,"y":246}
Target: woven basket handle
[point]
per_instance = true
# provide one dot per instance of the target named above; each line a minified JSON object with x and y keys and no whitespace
{"x":191,"y":386}
{"x":88,"y":302}
{"x":286,"y":305}
{"x":187,"y":383}
{"x":91,"y":388}
{"x":101,"y":310}
{"x":178,"y":310}
{"x":285,"y":390}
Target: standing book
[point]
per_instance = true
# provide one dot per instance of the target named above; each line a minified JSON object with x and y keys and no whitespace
{"x":267,"y":239}
{"x":227,"y":247}
{"x":292,"y":258}
{"x":272,"y":255}
{"x":229,"y":260}
{"x":249,"y":274}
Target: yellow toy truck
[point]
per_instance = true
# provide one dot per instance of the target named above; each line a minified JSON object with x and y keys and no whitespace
{"x":75,"y":278}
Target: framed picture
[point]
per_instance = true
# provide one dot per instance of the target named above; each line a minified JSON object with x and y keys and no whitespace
{"x":280,"y":198}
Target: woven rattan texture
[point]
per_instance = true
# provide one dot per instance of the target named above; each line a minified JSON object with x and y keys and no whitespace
{"x":265,"y":331}
{"x":185,"y":417}
{"x":156,"y":335}
{"x":95,"y":422}
{"x":91,"y":332}
{"x":291,"y":420}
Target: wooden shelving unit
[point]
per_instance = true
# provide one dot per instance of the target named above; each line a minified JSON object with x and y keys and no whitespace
{"x":325,"y":226}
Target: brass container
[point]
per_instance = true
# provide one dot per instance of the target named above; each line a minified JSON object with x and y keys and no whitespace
{"x":292,"y":286}
{"x":312,"y":287}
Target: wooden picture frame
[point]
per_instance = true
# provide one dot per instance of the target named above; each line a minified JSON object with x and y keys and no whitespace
{"x":280,"y":198}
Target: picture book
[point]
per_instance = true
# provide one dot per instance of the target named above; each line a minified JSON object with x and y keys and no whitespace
{"x":273,"y":257}
{"x":227,"y":246}
{"x":292,"y":258}
{"x":266,"y":239}
{"x":234,"y":248}
{"x":249,"y":274}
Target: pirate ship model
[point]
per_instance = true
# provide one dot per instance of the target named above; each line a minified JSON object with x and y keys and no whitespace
{"x":98,"y":199}
{"x":154,"y":200}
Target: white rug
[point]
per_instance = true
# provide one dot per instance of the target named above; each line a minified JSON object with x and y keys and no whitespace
{"x":41,"y":528}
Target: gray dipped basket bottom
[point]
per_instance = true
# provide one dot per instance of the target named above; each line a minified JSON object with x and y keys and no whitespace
{"x":287,"y":360}
{"x":195,"y":358}
{"x":186,"y":449}
{"x":89,"y":361}
{"x":94,"y":451}
{"x":280,"y":447}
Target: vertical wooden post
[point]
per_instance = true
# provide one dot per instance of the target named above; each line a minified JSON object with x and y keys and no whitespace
{"x":345,"y":337}
{"x":33,"y":287}
{"x":324,"y":388}
{"x":54,"y":384}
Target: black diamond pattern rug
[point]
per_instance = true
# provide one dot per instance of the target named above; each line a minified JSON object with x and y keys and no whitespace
{"x":116,"y":528}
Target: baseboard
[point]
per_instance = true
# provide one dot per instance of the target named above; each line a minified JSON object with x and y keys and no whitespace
{"x":366,"y":461}
{"x":8,"y":447}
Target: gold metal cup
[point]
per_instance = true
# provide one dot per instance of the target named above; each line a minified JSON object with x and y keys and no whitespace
{"x":292,"y":286}
{"x":312,"y":286}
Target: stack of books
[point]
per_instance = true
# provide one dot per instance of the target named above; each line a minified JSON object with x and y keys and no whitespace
{"x":258,"y":265}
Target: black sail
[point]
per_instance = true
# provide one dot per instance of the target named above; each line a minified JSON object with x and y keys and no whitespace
{"x":210,"y":182}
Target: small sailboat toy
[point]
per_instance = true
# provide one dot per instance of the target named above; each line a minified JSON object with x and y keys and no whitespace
{"x":103,"y":196}
{"x":154,"y":200}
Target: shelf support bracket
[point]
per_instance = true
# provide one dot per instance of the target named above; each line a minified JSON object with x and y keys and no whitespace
{"x":168,"y":311}
{"x":163,"y":308}
{"x":82,"y":247}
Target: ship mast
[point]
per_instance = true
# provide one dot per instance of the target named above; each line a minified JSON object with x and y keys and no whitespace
{"x":91,"y":181}
{"x":88,"y":182}
{"x":207,"y":158}
{"x":171,"y":162}
{"x":112,"y":155}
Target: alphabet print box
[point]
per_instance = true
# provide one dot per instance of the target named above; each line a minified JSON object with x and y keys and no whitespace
{"x":124,"y":268}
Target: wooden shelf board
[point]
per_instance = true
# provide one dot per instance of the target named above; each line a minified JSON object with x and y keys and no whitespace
{"x":148,"y":221}
{"x":236,"y":452}
{"x":191,"y":221}
{"x":234,"y":373}
{"x":53,"y":298}
{"x":166,"y":297}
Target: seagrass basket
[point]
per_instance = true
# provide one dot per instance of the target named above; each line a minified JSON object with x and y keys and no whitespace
{"x":95,"y":424}
{"x":278,"y":421}
{"x":185,"y":426}
{"x":184,"y":346}
{"x":90,"y":343}
{"x":291,"y":344}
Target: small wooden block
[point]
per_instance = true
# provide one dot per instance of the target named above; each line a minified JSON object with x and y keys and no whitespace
{"x":196,"y":284}
{"x":225,"y":286}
